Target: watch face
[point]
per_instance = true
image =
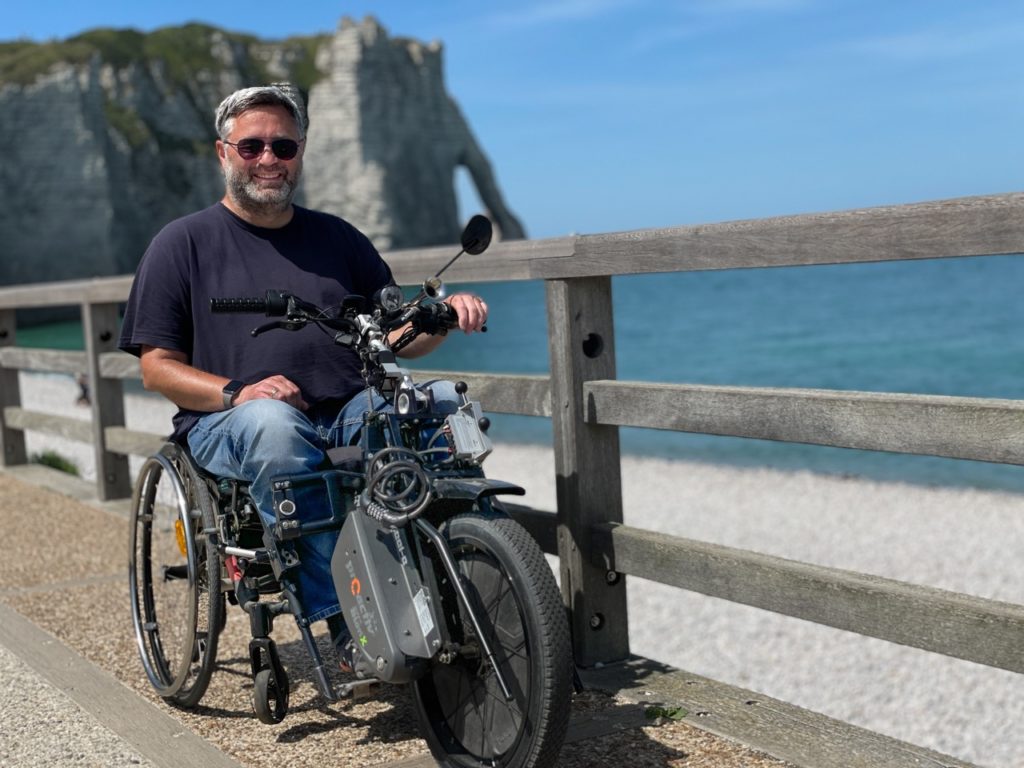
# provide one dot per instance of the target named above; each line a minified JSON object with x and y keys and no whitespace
{"x":230,"y":390}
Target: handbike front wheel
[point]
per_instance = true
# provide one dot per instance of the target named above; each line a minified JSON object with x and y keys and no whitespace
{"x":174,"y":576}
{"x":464,"y":716}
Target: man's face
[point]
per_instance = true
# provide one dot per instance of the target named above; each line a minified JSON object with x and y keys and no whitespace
{"x":264,"y":184}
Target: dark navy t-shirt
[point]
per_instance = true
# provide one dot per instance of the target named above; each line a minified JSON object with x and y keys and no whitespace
{"x":215,"y":254}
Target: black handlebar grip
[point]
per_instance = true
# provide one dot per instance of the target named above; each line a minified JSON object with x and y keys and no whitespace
{"x":447,"y":317}
{"x":249,"y":306}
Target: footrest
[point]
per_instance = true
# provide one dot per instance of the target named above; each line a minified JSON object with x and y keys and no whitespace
{"x":358,"y":689}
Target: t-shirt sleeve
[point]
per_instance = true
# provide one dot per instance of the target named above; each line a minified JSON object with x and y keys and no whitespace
{"x":158,"y":312}
{"x":373,"y":272}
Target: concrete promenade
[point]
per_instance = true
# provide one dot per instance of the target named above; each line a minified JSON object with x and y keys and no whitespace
{"x":76,"y":693}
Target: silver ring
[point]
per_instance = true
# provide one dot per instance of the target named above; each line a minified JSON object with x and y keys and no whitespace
{"x":273,"y":392}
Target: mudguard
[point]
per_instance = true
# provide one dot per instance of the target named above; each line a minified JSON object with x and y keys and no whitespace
{"x":473,"y":488}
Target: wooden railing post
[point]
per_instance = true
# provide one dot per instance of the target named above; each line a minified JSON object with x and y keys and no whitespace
{"x":100,"y":328}
{"x":587,"y":463}
{"x":12,"y":441}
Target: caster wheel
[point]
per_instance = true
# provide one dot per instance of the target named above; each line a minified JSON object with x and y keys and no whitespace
{"x":270,"y":697}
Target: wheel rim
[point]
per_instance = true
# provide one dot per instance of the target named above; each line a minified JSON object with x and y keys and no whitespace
{"x":164,"y":582}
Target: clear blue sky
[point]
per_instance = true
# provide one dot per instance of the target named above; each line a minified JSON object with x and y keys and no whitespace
{"x":605,"y":115}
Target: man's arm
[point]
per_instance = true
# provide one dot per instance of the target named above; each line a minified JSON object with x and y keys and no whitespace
{"x":472,"y":313}
{"x":168,"y":372}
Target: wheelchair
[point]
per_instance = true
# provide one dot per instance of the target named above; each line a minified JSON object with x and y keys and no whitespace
{"x":197,"y":542}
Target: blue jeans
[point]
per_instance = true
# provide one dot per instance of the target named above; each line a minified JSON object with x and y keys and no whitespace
{"x":262,"y":439}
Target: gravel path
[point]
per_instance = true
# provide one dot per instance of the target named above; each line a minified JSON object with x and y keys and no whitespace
{"x":42,"y":727}
{"x":66,"y":573}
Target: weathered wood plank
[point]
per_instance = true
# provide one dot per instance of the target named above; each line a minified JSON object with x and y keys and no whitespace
{"x":958,"y":427}
{"x":67,"y":292}
{"x":73,"y":429}
{"x":972,"y":628}
{"x":508,"y":260}
{"x":500,"y":392}
{"x":587,"y":465}
{"x":970,"y":226}
{"x":131,"y":443}
{"x":12,"y":441}
{"x":798,"y":736}
{"x":119,"y":365}
{"x":49,"y":360}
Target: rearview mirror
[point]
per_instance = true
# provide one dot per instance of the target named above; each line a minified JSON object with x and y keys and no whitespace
{"x":477,"y":235}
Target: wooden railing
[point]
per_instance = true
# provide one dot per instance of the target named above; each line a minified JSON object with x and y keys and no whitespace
{"x":587,"y":405}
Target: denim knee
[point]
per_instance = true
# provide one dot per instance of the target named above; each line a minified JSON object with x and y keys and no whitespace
{"x":258,"y":438}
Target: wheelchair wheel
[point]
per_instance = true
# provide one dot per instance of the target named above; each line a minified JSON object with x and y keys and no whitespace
{"x":463,"y":714}
{"x":175,"y":576}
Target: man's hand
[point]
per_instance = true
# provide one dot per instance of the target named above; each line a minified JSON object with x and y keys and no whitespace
{"x":471,"y":309}
{"x":276,"y":387}
{"x":472,"y":313}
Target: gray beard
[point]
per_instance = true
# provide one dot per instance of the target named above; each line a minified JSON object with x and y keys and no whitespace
{"x":251,"y":197}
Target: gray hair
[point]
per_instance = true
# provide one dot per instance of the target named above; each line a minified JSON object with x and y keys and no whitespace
{"x":279,"y":94}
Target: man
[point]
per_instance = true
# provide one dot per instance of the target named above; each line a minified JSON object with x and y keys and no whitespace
{"x":258,"y":408}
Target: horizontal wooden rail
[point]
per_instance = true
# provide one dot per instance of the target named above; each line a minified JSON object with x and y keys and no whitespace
{"x":131,"y":443}
{"x":62,"y":293}
{"x":120,"y":365}
{"x":957,"y":427}
{"x":969,"y":226}
{"x":501,"y":392}
{"x":16,"y":417}
{"x":972,"y":628}
{"x":48,"y":360}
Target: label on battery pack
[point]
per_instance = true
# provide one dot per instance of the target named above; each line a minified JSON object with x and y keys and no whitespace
{"x":423,"y":612}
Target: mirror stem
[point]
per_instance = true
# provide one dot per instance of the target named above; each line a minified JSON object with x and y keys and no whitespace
{"x":452,"y":261}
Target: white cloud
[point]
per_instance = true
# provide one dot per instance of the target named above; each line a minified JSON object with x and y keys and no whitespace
{"x":703,"y":17}
{"x":558,"y":11}
{"x":939,"y":43}
{"x":726,"y":7}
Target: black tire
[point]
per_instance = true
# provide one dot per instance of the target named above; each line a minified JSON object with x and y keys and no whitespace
{"x":462,"y":713}
{"x":270,"y":696}
{"x":175,"y":577}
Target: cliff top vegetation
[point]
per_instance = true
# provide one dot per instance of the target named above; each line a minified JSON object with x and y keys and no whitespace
{"x":183,"y":50}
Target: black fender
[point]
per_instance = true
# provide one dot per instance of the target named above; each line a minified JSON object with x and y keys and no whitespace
{"x":473,"y":488}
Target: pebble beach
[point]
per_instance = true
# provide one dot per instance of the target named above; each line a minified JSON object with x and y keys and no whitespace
{"x":958,"y":539}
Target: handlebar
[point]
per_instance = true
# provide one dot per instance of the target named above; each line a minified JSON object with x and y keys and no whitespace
{"x":249,"y":306}
{"x":274,"y":304}
{"x":436,"y":318}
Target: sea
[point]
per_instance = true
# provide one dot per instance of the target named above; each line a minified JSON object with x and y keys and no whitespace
{"x":942,"y":327}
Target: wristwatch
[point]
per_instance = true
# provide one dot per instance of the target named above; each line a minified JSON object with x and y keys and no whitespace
{"x":230,"y":392}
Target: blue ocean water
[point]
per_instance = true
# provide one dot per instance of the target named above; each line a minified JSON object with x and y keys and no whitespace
{"x":947,"y":327}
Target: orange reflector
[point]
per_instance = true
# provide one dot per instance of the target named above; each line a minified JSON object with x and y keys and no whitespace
{"x":179,"y":529}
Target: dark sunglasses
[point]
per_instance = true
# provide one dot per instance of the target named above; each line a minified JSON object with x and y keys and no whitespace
{"x":250,"y":149}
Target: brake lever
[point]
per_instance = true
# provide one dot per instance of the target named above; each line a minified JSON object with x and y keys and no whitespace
{"x":287,"y":325}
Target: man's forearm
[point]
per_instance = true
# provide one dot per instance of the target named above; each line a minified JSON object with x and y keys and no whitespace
{"x":183,"y":385}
